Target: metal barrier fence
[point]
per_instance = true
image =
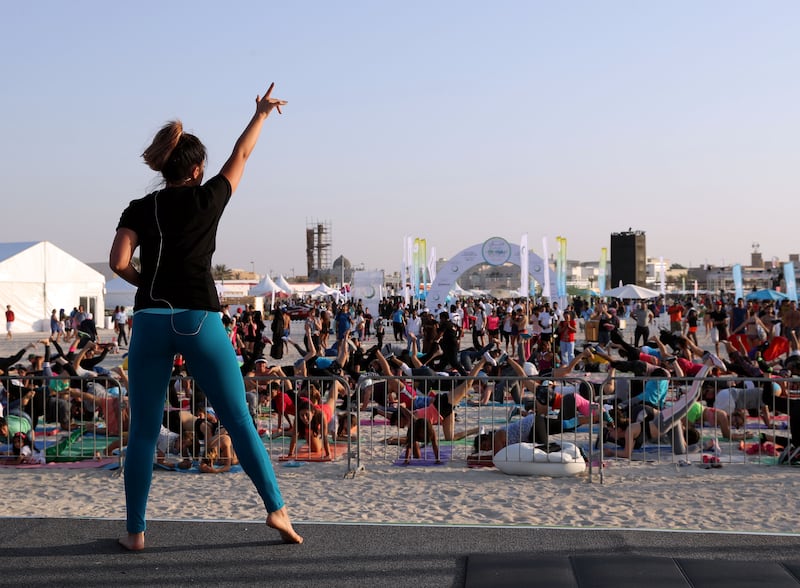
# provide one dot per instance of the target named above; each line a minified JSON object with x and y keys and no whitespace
{"x":374,"y":422}
{"x":668,"y":427}
{"x":489,"y":405}
{"x":62,"y":419}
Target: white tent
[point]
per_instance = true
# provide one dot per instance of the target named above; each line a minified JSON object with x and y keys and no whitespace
{"x":324,"y":290}
{"x":119,"y":293}
{"x":631,"y":292}
{"x":37,"y":277}
{"x":266,"y":286}
{"x":284,"y":285}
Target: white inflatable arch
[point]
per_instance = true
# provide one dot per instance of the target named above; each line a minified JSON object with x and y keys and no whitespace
{"x":494,"y":251}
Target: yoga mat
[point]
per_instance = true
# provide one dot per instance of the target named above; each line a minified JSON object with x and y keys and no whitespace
{"x":71,"y":465}
{"x":426,"y":457}
{"x":338,"y":450}
{"x":78,"y":447}
{"x":195,"y":469}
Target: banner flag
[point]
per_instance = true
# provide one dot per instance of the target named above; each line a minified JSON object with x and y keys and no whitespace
{"x":789,"y":278}
{"x":737,"y":282}
{"x":524,"y":286}
{"x":562,"y":274}
{"x":546,"y":286}
{"x":432,"y":264}
{"x":601,"y":274}
{"x":423,"y":264}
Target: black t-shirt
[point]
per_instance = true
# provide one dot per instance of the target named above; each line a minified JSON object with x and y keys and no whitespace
{"x":175,"y":248}
{"x":719,"y":316}
{"x":449,"y":335}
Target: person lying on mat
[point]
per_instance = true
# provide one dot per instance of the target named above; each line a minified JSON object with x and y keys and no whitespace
{"x":170,"y":443}
{"x":524,"y":430}
{"x":113,"y":410}
{"x":24,"y":451}
{"x":630,"y":429}
{"x":383,"y":362}
{"x":737,"y":402}
{"x":420,"y":431}
{"x":219,"y":452}
{"x":312,"y":364}
{"x":442,"y":404}
{"x":700,"y":416}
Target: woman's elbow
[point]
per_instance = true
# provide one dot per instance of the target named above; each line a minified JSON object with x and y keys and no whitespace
{"x":117,"y":264}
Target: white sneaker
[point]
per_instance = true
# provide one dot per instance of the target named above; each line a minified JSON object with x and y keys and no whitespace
{"x":489,"y":359}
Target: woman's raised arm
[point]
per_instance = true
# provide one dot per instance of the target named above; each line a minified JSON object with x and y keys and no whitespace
{"x":234,"y":167}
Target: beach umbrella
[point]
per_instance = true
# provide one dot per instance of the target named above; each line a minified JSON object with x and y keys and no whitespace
{"x":631,"y":292}
{"x":766,"y":294}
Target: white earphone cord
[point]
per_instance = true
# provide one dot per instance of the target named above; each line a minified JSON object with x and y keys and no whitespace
{"x":155,"y":272}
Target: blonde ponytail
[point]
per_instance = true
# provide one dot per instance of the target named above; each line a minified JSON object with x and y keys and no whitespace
{"x":158,"y":153}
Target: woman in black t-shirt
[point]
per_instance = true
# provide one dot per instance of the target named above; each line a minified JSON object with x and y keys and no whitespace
{"x":177,"y":311}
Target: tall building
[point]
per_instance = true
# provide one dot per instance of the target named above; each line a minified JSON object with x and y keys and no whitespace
{"x":628,"y":258}
{"x":318,"y":248}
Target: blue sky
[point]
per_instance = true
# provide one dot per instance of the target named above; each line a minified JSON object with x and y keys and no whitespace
{"x":453,"y":121}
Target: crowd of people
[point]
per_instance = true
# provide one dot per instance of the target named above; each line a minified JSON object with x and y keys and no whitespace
{"x":485,"y":351}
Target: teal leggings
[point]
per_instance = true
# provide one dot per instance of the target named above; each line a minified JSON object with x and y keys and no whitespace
{"x":211,"y":360}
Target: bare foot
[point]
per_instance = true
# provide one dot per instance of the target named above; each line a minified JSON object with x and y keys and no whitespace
{"x":279,"y":520}
{"x":132,"y":541}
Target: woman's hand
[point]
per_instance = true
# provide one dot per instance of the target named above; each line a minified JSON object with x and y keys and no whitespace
{"x":265,"y":104}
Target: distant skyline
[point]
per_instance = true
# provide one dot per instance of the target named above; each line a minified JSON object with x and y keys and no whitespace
{"x":450,"y":121}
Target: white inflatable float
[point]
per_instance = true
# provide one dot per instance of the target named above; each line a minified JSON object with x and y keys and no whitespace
{"x":526,"y":459}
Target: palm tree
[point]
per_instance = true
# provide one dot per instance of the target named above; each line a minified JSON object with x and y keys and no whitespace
{"x":221,"y":272}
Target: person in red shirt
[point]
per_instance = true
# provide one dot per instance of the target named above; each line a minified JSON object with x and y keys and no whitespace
{"x":9,"y":321}
{"x":675,"y":317}
{"x":566,"y":337}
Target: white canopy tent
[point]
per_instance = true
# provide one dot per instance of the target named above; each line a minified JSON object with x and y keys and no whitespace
{"x":284,"y":285}
{"x":631,"y":292}
{"x":324,"y":290}
{"x":37,"y":277}
{"x":265,"y":287}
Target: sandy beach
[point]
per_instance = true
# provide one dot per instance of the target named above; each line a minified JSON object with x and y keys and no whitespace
{"x":742,"y":498}
{"x":633,"y":495}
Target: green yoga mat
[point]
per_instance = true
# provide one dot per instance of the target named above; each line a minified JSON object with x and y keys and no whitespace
{"x":76,"y":447}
